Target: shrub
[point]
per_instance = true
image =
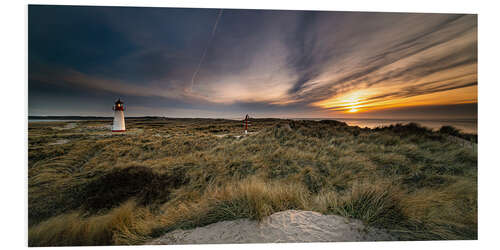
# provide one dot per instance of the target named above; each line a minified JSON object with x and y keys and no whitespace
{"x":450,"y":130}
{"x":251,"y":198}
{"x":375,"y":205}
{"x":312,"y":180}
{"x":120,"y":185}
{"x":122,"y":225}
{"x":421,"y":180}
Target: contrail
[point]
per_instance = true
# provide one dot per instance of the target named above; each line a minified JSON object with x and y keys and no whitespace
{"x":206,"y":48}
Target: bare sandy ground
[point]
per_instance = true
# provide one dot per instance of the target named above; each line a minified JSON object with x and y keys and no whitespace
{"x":286,"y":226}
{"x":58,"y":142}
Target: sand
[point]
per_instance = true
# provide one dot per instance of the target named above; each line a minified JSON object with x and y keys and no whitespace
{"x":286,"y":226}
{"x":59,"y":142}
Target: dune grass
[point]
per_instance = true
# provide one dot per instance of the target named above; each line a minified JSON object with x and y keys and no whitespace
{"x":165,"y":174}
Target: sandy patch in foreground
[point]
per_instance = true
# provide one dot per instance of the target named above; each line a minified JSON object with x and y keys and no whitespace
{"x":286,"y":226}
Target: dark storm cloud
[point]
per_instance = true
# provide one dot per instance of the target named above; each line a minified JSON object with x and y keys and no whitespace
{"x":279,"y":62}
{"x":75,"y":36}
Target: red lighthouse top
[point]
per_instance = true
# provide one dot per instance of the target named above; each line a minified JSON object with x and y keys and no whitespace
{"x":118,"y":105}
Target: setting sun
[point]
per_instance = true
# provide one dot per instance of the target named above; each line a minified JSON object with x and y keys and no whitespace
{"x":352,"y":102}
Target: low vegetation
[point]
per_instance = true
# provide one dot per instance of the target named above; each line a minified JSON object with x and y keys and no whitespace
{"x":163,"y":174}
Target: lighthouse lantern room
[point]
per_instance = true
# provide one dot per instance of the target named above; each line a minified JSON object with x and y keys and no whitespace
{"x":119,"y":120}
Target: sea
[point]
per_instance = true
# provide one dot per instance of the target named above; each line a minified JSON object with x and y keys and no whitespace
{"x":51,"y":120}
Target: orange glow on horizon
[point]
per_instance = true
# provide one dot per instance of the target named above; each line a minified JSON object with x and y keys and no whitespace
{"x":368,"y":100}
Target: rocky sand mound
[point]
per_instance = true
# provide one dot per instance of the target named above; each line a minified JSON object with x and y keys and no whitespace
{"x":286,"y":226}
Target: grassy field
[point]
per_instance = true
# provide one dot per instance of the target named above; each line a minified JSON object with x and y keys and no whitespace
{"x":90,"y":187}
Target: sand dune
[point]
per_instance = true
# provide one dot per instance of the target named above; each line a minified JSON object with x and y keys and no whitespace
{"x":286,"y":226}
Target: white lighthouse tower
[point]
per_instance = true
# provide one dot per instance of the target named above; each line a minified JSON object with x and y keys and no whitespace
{"x":119,"y":121}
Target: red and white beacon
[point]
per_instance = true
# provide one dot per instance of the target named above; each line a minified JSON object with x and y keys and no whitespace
{"x":119,"y":121}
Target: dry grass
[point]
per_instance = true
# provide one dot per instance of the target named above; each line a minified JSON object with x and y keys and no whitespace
{"x":126,"y":224}
{"x":251,"y":198}
{"x":164,"y":174}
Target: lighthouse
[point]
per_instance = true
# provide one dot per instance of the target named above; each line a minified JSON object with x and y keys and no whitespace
{"x":119,"y":121}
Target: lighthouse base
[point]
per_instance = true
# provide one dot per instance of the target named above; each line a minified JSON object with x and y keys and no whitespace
{"x":118,"y":122}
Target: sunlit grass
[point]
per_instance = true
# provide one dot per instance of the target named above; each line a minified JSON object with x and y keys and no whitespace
{"x":410,"y":180}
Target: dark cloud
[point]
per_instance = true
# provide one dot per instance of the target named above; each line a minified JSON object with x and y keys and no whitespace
{"x":78,"y":37}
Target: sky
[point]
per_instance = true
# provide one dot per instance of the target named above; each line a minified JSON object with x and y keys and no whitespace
{"x":225,"y":63}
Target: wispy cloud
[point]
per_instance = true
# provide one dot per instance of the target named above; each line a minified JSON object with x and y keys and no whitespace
{"x":394,"y":60}
{"x":277,"y":60}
